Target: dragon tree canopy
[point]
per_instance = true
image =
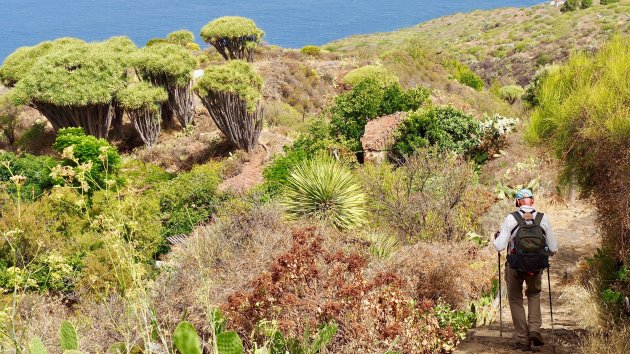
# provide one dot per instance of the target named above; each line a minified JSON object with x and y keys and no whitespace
{"x":233,"y":37}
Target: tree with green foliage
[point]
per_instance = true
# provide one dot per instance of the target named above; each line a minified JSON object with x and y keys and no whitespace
{"x":231,"y":93}
{"x":184,"y":38}
{"x":367,"y":100}
{"x":233,"y":37}
{"x":375,"y":72}
{"x":585,"y":117}
{"x":20,"y":62}
{"x":143,"y":103}
{"x":181,"y":37}
{"x":443,"y":126}
{"x":169,"y":66}
{"x":74,"y":85}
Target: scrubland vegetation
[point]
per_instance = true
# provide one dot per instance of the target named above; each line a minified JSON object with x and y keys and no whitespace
{"x":330,"y":252}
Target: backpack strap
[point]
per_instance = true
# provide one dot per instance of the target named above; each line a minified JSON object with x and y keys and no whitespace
{"x":519,"y":221}
{"x":538,"y":220}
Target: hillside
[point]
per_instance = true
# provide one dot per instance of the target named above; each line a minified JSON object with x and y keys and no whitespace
{"x":323,"y":200}
{"x":505,"y":44}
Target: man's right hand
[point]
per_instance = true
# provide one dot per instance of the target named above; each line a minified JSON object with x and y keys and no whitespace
{"x":496,"y":234}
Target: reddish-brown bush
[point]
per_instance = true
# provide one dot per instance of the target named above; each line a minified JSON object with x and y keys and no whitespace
{"x":319,"y":280}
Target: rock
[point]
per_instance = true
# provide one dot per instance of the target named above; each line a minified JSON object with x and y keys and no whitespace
{"x":379,"y":136}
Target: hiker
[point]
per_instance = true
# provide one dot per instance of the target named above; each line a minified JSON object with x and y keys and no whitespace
{"x":529,"y":239}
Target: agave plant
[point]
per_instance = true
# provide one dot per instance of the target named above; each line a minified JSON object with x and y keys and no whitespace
{"x":325,"y":189}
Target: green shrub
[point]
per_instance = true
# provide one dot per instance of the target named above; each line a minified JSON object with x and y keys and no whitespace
{"x":464,"y":74}
{"x":138,"y":174}
{"x":374,"y":72}
{"x":530,"y":96}
{"x":511,"y":93}
{"x":278,"y":113}
{"x":583,"y":116}
{"x":81,"y":150}
{"x":443,"y":126}
{"x":459,"y":321}
{"x":306,"y":146}
{"x":36,"y":169}
{"x":311,"y":50}
{"x":324,"y":189}
{"x":367,"y":100}
{"x":607,"y":2}
{"x":31,"y":139}
{"x":570,"y":5}
{"x":427,"y":197}
{"x":543,"y":59}
{"x":585,"y":4}
{"x":188,"y":199}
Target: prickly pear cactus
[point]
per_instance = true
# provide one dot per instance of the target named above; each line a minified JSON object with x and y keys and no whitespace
{"x":229,"y":343}
{"x":35,"y":346}
{"x":68,"y":337}
{"x":186,"y":339}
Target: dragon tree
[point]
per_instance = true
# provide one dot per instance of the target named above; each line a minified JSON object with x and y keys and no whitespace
{"x":169,"y":66}
{"x":233,"y":37}
{"x":74,"y":84}
{"x":231,"y":93}
{"x":18,"y":64}
{"x":142,"y":102}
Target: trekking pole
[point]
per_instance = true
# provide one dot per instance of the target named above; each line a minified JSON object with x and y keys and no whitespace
{"x":553,"y":338}
{"x":500,"y":296}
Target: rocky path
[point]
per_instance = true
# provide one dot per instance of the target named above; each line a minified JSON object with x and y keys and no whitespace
{"x":252,"y":173}
{"x":576,"y":232}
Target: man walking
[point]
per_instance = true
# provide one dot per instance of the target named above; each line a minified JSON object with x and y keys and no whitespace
{"x":529,"y":240}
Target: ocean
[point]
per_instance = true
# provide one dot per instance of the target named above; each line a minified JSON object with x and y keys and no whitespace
{"x":290,"y":24}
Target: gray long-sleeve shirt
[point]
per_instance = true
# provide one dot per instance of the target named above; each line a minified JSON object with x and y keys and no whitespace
{"x":506,"y":235}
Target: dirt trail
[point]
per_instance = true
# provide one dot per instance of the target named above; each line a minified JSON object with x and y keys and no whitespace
{"x":252,"y":173}
{"x":576,"y":232}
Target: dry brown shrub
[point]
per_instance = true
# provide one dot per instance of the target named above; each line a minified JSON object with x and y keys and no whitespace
{"x":322,"y":279}
{"x":429,"y":197}
{"x":455,"y":273}
{"x":219,"y":259}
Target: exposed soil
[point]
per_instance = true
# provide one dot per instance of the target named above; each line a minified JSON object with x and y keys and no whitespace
{"x":269,"y":144}
{"x":577,"y":235}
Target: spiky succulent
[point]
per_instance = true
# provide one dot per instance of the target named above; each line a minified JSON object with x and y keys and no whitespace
{"x":325,"y":189}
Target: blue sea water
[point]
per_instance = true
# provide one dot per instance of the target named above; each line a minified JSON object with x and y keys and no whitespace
{"x":287,"y":23}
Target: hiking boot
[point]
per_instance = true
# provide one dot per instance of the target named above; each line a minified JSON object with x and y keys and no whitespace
{"x":536,"y":339}
{"x":522,"y":346}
